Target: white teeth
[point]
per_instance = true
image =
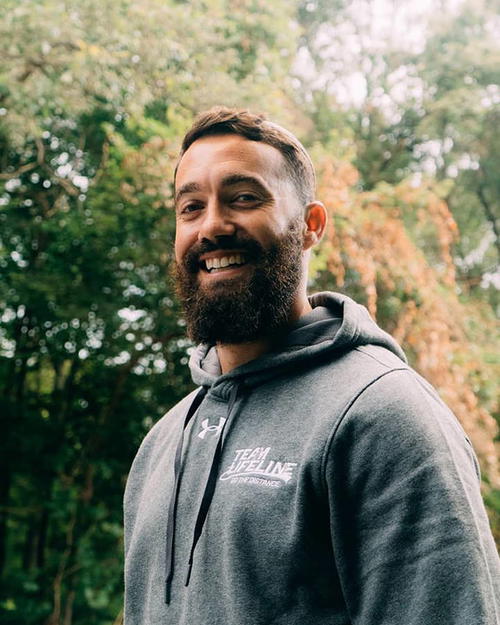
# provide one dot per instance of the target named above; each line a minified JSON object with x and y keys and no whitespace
{"x":225,"y":261}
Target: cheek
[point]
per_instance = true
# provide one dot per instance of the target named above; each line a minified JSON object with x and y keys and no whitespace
{"x":179,"y":247}
{"x":184,"y":239}
{"x":274,"y":229}
{"x":265,"y":227}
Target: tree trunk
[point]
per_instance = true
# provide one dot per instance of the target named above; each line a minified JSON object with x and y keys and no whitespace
{"x":55,"y":617}
{"x":68,"y":608}
{"x":30,"y":545}
{"x":42,"y":538}
{"x":490,"y":216}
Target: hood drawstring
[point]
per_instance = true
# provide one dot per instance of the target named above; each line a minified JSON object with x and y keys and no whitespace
{"x":207,"y":492}
{"x":169,"y":552}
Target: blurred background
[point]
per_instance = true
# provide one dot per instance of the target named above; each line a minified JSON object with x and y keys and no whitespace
{"x":398,"y":103}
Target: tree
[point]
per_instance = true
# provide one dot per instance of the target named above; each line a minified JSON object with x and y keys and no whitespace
{"x":419,"y":94}
{"x":92,"y":347}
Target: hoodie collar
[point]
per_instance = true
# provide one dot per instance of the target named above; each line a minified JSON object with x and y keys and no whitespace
{"x":336,"y":324}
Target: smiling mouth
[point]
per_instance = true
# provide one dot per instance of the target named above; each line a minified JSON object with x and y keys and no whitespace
{"x":215,"y":265}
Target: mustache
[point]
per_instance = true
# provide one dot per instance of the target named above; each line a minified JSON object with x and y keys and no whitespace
{"x":250,"y":247}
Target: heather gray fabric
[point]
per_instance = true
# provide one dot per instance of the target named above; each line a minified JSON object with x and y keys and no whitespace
{"x":346,"y":493}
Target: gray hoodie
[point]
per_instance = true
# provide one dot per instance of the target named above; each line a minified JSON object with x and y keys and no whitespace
{"x":322,"y":483}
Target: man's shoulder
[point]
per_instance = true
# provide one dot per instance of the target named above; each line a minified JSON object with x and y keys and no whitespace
{"x":380,"y":389}
{"x":164,"y":432}
{"x":400,"y":408}
{"x":171,"y":421}
{"x":346,"y":374}
{"x":378,"y":357}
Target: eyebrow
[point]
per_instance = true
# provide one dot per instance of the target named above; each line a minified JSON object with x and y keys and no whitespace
{"x":227,"y":181}
{"x":233,"y":179}
{"x":189,"y":187}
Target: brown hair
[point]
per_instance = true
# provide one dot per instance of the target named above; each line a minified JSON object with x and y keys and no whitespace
{"x":221,"y":120}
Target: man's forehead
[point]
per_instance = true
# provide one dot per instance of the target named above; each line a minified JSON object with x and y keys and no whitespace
{"x":231,"y":151}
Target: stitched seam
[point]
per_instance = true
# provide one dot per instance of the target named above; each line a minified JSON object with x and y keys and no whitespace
{"x":343,"y":415}
{"x":362,"y":350}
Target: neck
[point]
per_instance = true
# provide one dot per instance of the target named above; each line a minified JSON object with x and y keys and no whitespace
{"x":237,"y":354}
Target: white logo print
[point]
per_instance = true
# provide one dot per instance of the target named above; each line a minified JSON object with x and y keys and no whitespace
{"x":252,"y":466}
{"x":213,"y":429}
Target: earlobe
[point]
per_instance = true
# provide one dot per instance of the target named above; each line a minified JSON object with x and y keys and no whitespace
{"x":315,"y":222}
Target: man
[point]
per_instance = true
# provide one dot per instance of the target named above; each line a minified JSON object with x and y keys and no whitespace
{"x":313,"y":477}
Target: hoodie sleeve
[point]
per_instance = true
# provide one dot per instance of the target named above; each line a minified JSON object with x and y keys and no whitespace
{"x":410,"y":533}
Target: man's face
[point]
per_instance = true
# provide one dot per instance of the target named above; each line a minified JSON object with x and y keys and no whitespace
{"x":238,"y":245}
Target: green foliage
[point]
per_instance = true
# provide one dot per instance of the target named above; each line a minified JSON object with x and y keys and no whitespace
{"x":89,"y":330}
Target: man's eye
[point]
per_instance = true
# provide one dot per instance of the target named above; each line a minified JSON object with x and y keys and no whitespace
{"x":245,"y":198}
{"x":190,"y":207}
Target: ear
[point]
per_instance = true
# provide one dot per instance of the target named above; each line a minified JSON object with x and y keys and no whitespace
{"x":315,"y":222}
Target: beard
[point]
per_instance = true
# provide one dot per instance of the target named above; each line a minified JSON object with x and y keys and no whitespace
{"x":242,"y":309}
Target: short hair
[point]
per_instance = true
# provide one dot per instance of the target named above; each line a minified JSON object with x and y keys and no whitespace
{"x":221,"y":120}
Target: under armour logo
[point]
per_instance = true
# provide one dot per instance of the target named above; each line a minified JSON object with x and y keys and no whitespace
{"x":214,"y":429}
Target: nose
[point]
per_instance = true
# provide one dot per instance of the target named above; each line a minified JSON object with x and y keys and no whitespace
{"x":217,"y":222}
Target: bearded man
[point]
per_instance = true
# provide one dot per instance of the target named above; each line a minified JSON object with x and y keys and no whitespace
{"x":313,"y":477}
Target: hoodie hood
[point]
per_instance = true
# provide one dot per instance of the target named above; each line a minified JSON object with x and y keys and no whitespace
{"x":336,"y":324}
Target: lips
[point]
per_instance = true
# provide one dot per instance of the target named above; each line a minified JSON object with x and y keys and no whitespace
{"x":230,"y":252}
